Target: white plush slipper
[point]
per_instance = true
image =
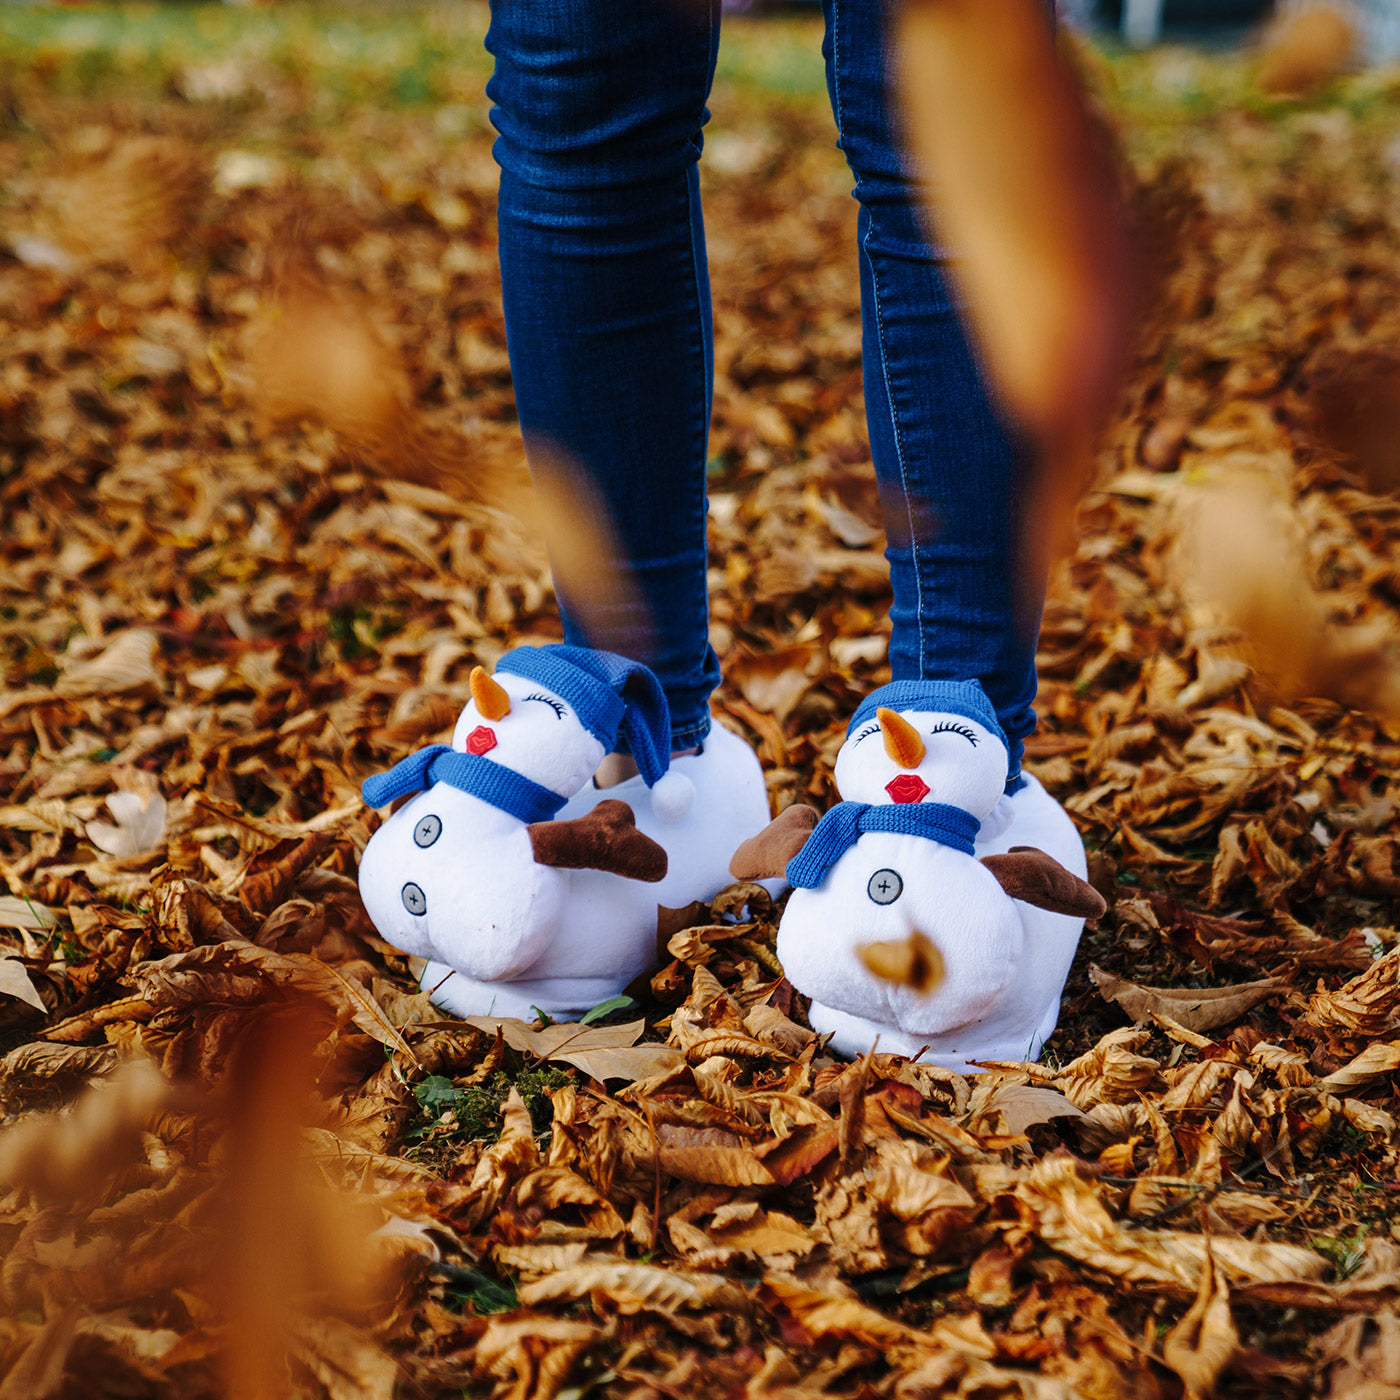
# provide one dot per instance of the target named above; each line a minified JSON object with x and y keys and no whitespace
{"x":903,"y":925}
{"x":729,"y":803}
{"x":516,"y":900}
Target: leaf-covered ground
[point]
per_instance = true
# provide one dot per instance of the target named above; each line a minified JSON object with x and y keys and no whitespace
{"x":259,"y":489}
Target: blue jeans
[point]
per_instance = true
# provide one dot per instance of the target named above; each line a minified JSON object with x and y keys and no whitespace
{"x":599,"y":106}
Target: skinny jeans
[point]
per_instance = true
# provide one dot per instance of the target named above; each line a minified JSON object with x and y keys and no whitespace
{"x":599,"y":106}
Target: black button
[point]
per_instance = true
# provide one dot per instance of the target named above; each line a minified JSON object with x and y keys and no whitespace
{"x":427,"y":831}
{"x":885,"y":886}
{"x":414,"y":900}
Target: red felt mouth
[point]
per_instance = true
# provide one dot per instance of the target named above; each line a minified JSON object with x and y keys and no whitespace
{"x":481,"y":740}
{"x":907,"y":787}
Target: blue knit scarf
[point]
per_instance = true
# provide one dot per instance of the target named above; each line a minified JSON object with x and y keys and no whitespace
{"x":847,"y":822}
{"x":492,"y":782}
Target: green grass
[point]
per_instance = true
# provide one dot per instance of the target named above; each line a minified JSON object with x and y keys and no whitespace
{"x":416,"y":54}
{"x":408,"y":55}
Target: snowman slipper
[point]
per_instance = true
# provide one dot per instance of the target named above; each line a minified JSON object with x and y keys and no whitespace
{"x":515,"y":902}
{"x":722,"y":800}
{"x":929,"y":909}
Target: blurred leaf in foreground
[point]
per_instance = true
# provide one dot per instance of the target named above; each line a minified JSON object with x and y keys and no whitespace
{"x":1024,"y":193}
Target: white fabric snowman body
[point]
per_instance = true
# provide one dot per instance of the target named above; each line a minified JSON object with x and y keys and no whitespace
{"x":895,"y":871}
{"x":513,"y":909}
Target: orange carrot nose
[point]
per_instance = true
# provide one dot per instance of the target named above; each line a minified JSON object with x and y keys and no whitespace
{"x":902,"y":741}
{"x":492,"y":702}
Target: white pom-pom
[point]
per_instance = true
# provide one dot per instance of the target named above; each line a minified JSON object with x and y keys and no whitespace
{"x":672,"y":796}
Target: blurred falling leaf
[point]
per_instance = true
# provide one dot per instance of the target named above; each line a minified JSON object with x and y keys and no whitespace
{"x":1024,"y":194}
{"x":133,"y":200}
{"x":1241,"y":551}
{"x":591,"y":577}
{"x":1354,"y":402}
{"x":1307,"y":46}
{"x":317,"y":352}
{"x":913,"y":962}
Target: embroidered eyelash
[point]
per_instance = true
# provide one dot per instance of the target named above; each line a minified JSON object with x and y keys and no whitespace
{"x":867,"y":732}
{"x":948,"y":727}
{"x":553,"y":704}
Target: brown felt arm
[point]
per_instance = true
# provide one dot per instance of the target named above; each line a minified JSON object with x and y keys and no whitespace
{"x":1036,"y":878}
{"x":606,"y":839}
{"x":765,"y":856}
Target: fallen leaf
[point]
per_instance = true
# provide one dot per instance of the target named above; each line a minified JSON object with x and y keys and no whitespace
{"x":1204,"y":1342}
{"x":126,"y":663}
{"x":716,"y":1166}
{"x":601,"y":1052}
{"x":1374,"y":1062}
{"x":1021,"y":1106}
{"x":634,"y":1288}
{"x":25,"y":914}
{"x":14,"y":982}
{"x":140,"y":825}
{"x":1196,"y":1008}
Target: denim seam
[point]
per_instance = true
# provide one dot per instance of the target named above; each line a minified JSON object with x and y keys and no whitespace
{"x":880,"y":336}
{"x":898,"y":440}
{"x":693,"y":733}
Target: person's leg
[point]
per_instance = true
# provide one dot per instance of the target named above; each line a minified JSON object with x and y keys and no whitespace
{"x":599,"y":108}
{"x":948,"y":469}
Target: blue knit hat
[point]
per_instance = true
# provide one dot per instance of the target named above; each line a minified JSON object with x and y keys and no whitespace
{"x":611,"y":696}
{"x":966,"y":698}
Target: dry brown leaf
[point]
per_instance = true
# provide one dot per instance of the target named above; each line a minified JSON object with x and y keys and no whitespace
{"x":15,"y":982}
{"x":601,"y":1052}
{"x":1021,"y":1106}
{"x":346,"y":1361}
{"x":1196,"y":1008}
{"x":1374,"y":1062}
{"x":633,"y":1288}
{"x":536,"y":1354}
{"x":715,"y":1165}
{"x":1204,"y":1342}
{"x":140,"y":825}
{"x":773,"y":682}
{"x":25,"y":914}
{"x":1070,"y":1217}
{"x":1368,"y":1005}
{"x":37,"y":1372}
{"x":126,"y":663}
{"x":767,"y":1233}
{"x":1360,"y":1357}
{"x":826,"y":1314}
